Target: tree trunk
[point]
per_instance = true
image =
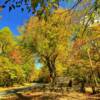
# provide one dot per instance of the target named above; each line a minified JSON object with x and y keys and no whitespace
{"x":50,"y":62}
{"x":93,"y":90}
{"x":70,"y":83}
{"x":93,"y":74}
{"x":52,"y":69}
{"x":91,"y":64}
{"x":82,"y":89}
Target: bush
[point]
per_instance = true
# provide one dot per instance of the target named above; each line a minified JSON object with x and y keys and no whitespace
{"x":10,"y":73}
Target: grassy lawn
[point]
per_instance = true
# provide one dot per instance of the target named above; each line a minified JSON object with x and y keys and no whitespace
{"x":15,"y":87}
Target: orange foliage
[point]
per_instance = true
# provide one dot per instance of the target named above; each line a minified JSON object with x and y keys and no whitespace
{"x":15,"y":55}
{"x":78,"y":43}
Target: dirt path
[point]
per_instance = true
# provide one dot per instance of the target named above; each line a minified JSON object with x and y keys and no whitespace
{"x":52,"y":96}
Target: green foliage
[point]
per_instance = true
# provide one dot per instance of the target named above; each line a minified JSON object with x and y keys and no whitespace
{"x":47,"y":39}
{"x":6,"y":40}
{"x":43,"y":76}
{"x":10,"y":73}
{"x":11,"y":59}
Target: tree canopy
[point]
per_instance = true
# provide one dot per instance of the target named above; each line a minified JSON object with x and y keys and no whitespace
{"x":48,"y":39}
{"x":66,"y":42}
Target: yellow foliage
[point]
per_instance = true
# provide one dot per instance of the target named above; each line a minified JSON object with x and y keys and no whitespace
{"x":95,"y":27}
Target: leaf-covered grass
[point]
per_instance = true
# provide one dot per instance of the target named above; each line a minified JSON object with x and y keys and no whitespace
{"x":15,"y":87}
{"x":52,"y":96}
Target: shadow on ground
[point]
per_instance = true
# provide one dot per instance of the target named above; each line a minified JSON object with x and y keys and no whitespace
{"x":44,"y":96}
{"x":53,"y":96}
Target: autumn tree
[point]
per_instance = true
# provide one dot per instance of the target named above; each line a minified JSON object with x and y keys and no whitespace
{"x":47,"y":39}
{"x":11,"y":72}
{"x":84,"y":56}
{"x":6,"y":41}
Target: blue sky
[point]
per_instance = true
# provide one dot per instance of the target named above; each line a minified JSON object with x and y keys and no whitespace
{"x":17,"y":18}
{"x":13,"y":19}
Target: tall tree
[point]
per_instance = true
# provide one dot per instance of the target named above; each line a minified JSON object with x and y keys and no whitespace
{"x":48,"y":39}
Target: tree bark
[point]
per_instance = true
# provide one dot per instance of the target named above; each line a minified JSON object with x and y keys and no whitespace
{"x":52,"y":69}
{"x":93,"y":75}
{"x":82,"y":89}
{"x":93,"y":90}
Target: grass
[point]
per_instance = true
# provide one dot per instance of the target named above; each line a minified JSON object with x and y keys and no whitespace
{"x":88,"y":90}
{"x":15,"y":87}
